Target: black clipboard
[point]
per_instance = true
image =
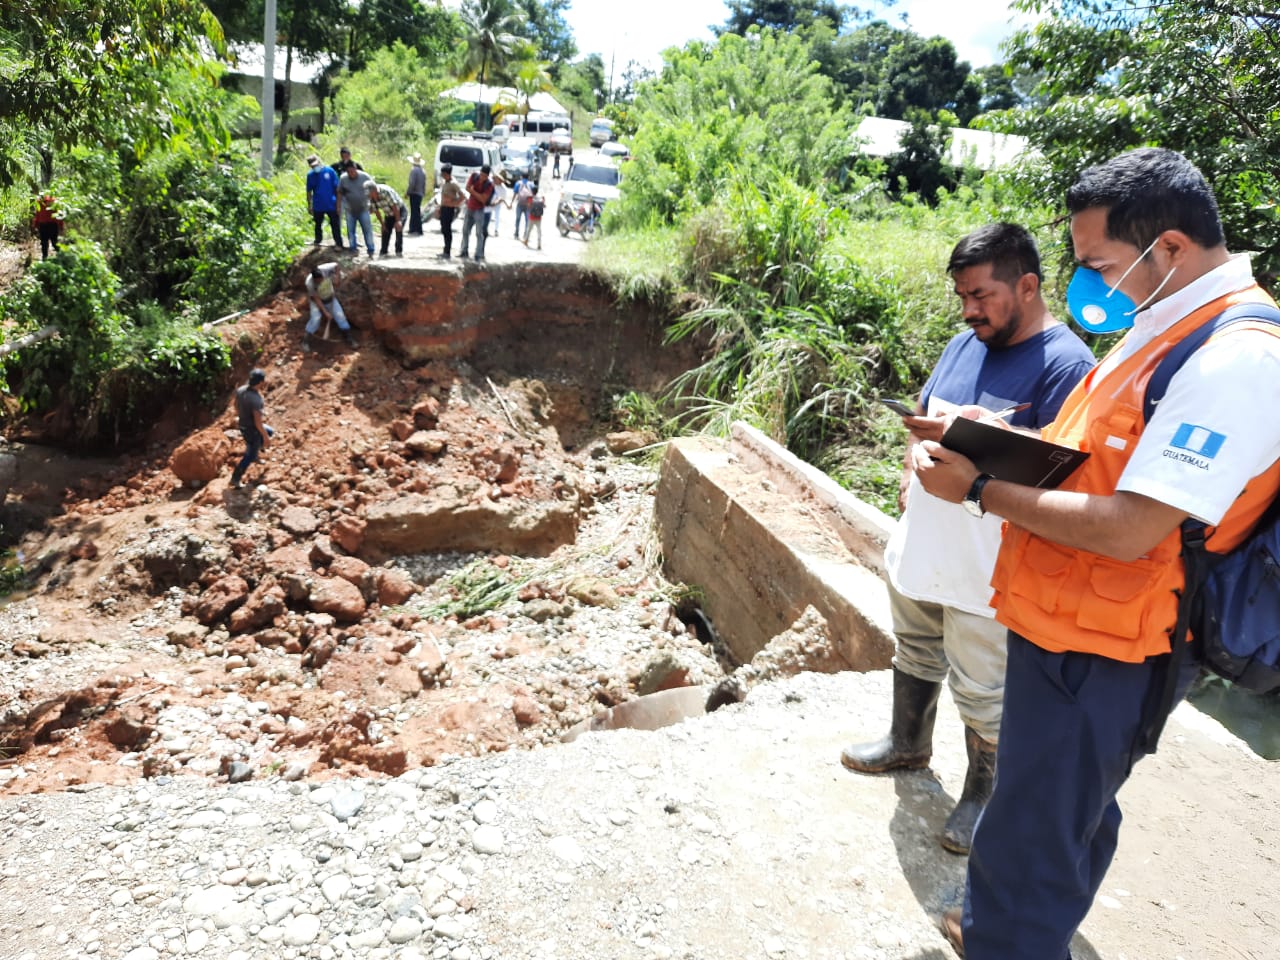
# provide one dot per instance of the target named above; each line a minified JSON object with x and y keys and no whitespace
{"x":1009,"y":455}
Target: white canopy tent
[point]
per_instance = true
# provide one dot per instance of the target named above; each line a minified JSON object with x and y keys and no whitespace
{"x":489,"y":94}
{"x":881,"y":137}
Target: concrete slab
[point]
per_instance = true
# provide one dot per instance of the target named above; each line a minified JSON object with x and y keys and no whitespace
{"x":762,"y":536}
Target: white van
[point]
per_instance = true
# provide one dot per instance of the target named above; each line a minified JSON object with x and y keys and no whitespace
{"x":467,"y":152}
{"x":538,"y":125}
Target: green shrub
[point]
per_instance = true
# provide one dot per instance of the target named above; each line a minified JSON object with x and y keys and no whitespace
{"x":203,"y":238}
{"x":105,"y":366}
{"x":73,"y":291}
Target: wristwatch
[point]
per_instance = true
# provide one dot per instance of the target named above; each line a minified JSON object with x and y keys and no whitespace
{"x":972,"y":501}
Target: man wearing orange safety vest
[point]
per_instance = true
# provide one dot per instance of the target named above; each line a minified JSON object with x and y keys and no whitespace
{"x":1087,"y":576}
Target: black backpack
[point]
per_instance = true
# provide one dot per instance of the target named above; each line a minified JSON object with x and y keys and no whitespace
{"x":1230,"y":602}
{"x":537,"y":206}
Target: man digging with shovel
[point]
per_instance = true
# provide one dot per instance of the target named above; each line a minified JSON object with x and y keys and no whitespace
{"x":322,"y":285}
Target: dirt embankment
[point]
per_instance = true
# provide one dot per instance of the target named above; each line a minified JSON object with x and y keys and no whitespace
{"x":174,"y":624}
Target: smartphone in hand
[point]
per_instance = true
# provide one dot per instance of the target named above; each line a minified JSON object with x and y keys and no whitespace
{"x":900,"y":407}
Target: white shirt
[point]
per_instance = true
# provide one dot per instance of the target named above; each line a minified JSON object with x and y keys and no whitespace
{"x":938,"y":552}
{"x":1218,"y":425}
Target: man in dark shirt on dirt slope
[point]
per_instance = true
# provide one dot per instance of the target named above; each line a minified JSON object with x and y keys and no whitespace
{"x":257,"y":435}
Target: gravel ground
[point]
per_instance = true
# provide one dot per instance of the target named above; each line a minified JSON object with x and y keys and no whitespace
{"x":732,"y":836}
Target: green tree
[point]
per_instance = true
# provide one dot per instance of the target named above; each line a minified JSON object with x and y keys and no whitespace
{"x":583,"y":80}
{"x":1197,"y":77}
{"x":81,"y":71}
{"x":782,"y":15}
{"x":314,"y":29}
{"x":339,"y":32}
{"x":894,"y":70}
{"x":394,"y":100}
{"x":754,"y":107}
{"x":855,"y":61}
{"x":921,"y":165}
{"x":1001,"y":88}
{"x":427,"y":27}
{"x":924,"y":74}
{"x":491,"y":32}
{"x":531,"y":77}
{"x":546,"y":28}
{"x":633,"y":76}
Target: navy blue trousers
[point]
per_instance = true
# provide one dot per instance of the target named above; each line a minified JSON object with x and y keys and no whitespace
{"x":1046,"y":838}
{"x":253,"y":446}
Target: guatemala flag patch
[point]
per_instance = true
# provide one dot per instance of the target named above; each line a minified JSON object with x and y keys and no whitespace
{"x":1194,"y":445}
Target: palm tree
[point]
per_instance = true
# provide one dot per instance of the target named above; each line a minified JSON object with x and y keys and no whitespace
{"x":491,"y":41}
{"x":531,"y":77}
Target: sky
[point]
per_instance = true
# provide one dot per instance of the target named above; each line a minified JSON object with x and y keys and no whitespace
{"x":642,"y":30}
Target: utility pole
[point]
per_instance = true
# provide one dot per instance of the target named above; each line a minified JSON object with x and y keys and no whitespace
{"x":268,"y":86}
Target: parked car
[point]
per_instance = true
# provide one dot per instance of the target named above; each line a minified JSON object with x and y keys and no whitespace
{"x":561,"y":142}
{"x":601,"y":131}
{"x":467,"y":153}
{"x":522,"y":157}
{"x":615,"y":150}
{"x":591,"y":179}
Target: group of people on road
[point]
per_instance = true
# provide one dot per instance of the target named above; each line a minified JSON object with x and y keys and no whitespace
{"x":343,"y":191}
{"x":1055,"y":628}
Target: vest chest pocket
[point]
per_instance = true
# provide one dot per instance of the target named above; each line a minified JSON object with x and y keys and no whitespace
{"x":1111,"y":442}
{"x":1051,"y":566}
{"x":1116,"y":599}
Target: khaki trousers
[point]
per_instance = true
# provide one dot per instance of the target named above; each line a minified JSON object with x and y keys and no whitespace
{"x":937,"y":643}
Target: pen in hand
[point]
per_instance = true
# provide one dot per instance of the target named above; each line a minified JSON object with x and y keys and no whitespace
{"x":1007,"y":411}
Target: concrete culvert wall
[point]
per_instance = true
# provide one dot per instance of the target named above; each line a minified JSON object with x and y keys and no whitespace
{"x":763,"y":536}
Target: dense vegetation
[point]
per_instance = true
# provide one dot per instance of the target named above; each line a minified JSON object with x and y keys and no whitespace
{"x":816,"y":276}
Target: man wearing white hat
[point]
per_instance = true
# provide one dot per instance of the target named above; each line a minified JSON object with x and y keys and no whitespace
{"x":414,"y":193}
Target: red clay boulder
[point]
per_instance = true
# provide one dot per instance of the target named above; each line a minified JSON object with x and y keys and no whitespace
{"x":348,"y":533}
{"x":337,"y":597}
{"x":223,"y":596}
{"x":200,"y":458}
{"x":261,"y":607}
{"x":394,"y":586}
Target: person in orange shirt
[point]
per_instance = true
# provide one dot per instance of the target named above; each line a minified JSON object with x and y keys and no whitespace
{"x":1087,"y":576}
{"x":47,"y":223}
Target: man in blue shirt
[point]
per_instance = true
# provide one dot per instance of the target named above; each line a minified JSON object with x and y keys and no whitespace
{"x":322,"y":199}
{"x":940,"y":557}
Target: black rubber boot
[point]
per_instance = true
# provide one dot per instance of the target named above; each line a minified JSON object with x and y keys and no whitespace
{"x":957,"y":835}
{"x":909,"y":743}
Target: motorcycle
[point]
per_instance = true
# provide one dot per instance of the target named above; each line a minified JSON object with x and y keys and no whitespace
{"x":583,"y":219}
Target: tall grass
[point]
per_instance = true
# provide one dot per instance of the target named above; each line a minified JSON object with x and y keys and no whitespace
{"x":810,"y":307}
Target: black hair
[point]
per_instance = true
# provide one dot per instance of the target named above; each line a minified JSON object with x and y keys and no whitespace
{"x":1008,"y":247}
{"x":1146,"y":192}
{"x":447,"y":168}
{"x":484,"y":168}
{"x":344,"y":150}
{"x":256,"y":376}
